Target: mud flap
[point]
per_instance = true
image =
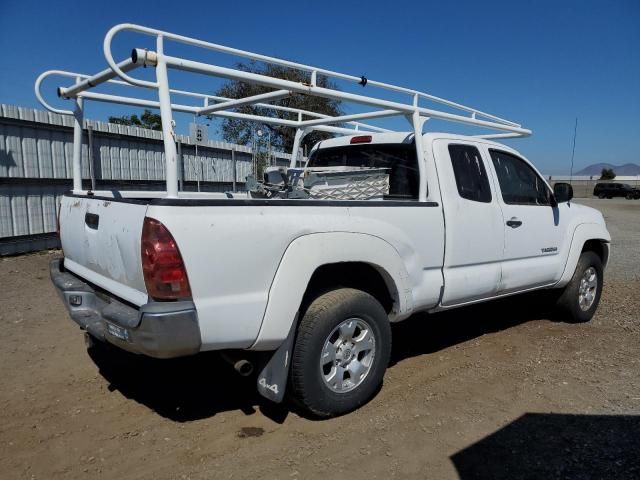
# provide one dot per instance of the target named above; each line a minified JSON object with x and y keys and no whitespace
{"x":272,"y":380}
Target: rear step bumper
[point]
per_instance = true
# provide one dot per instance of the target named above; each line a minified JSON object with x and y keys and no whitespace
{"x":157,"y":329}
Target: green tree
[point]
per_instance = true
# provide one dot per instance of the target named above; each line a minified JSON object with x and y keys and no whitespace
{"x":241,"y":131}
{"x":607,"y":174}
{"x":148,"y":119}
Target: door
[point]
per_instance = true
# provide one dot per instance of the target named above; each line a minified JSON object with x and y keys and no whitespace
{"x":533,"y":229}
{"x":474,"y":229}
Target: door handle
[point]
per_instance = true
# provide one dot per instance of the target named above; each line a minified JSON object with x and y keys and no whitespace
{"x":514,"y":222}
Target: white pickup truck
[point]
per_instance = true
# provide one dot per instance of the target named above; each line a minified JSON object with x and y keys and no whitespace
{"x":317,"y":282}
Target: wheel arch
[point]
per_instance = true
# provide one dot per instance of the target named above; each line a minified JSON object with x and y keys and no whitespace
{"x":321,"y":261}
{"x":600,"y":247}
{"x":586,"y":237}
{"x":370,"y":278}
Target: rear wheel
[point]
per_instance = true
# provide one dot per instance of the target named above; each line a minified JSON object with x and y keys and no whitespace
{"x":341,"y":352}
{"x":601,"y":195}
{"x":580,"y":298}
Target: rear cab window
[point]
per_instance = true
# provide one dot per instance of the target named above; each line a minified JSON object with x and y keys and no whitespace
{"x":399,"y":159}
{"x":470,"y":173}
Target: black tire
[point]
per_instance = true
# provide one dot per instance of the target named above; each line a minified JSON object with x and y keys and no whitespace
{"x":569,"y":302}
{"x":630,"y":196}
{"x":321,"y":319}
{"x":601,"y":196}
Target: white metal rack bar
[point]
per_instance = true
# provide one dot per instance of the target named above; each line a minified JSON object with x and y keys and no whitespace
{"x":223,"y":107}
{"x":97,"y":79}
{"x":102,"y":97}
{"x":272,"y":96}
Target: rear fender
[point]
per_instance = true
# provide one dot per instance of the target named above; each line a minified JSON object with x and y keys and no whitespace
{"x":304,"y":255}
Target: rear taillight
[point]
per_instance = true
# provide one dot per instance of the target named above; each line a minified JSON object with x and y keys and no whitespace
{"x":164,"y":273}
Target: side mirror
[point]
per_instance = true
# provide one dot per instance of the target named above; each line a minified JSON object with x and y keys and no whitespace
{"x":563,"y":192}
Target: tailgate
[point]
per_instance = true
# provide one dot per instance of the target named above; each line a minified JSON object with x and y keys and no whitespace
{"x":101,"y":243}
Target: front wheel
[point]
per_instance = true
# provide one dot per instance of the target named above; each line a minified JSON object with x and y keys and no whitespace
{"x":580,"y":298}
{"x":341,"y":352}
{"x":601,"y":196}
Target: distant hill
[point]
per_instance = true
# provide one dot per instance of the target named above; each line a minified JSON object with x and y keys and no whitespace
{"x":621,"y":170}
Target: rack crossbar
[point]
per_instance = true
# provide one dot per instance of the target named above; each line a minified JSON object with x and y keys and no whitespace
{"x":347,"y":118}
{"x":272,"y":96}
{"x":97,"y":79}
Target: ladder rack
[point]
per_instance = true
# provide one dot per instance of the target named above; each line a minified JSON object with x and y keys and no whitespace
{"x":348,"y":124}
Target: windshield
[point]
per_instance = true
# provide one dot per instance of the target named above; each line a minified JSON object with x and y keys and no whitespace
{"x":399,"y":158}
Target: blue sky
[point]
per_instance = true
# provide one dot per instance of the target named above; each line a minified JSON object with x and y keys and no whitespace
{"x":540,"y":63}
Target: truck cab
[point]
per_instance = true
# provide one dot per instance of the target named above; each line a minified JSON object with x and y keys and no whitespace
{"x":506,"y":231}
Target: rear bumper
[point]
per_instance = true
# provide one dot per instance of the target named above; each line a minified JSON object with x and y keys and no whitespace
{"x":157,"y":329}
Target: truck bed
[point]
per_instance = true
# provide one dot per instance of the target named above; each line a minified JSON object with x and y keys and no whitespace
{"x":232,"y":249}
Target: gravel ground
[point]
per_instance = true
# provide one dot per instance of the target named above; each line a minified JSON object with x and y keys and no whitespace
{"x":500,"y":390}
{"x":623,"y":220}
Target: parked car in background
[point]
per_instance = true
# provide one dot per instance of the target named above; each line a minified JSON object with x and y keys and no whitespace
{"x":610,"y":190}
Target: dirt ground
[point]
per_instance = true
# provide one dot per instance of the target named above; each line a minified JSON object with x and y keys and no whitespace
{"x":501,"y":390}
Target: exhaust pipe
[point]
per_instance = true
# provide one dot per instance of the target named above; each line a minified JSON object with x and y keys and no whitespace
{"x":243,"y":367}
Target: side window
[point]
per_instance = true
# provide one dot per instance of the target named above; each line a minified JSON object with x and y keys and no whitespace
{"x":519,"y":183}
{"x":471,"y":176}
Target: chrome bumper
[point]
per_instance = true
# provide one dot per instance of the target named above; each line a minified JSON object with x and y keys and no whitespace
{"x":157,"y":329}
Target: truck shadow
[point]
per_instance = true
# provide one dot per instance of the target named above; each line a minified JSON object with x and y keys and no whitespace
{"x":428,"y":333}
{"x":551,"y":446}
{"x":182,"y":389}
{"x":201,"y":386}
